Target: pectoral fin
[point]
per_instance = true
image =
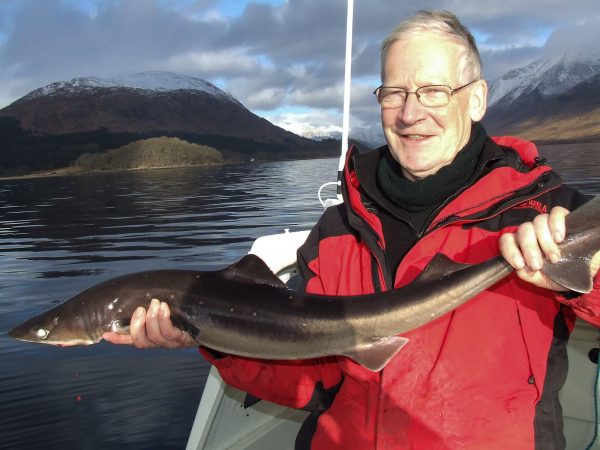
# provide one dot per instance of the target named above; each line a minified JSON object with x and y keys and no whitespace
{"x":438,"y":268}
{"x":375,"y":356}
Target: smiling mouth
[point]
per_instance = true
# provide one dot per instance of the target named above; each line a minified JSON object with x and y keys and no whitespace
{"x":415,"y":137}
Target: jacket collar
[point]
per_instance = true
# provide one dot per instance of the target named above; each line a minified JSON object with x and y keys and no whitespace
{"x":514,"y":163}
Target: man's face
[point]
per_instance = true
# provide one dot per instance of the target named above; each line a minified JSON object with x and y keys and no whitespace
{"x":424,"y":139}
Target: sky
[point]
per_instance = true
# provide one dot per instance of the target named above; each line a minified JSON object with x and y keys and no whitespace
{"x":283,"y":59}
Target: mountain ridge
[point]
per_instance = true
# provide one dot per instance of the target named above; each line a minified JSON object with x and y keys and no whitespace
{"x":548,"y":100}
{"x":148,"y":80}
{"x":51,"y":126}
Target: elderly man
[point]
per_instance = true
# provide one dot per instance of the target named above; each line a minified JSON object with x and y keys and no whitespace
{"x":485,"y":376}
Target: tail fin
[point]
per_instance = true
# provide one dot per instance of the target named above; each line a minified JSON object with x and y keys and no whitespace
{"x":580,"y":245}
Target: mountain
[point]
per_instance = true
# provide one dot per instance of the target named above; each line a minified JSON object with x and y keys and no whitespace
{"x":54,"y":124}
{"x":140,"y":103}
{"x":365,"y":138}
{"x":372,"y":137}
{"x":313,"y":132}
{"x":548,"y":100}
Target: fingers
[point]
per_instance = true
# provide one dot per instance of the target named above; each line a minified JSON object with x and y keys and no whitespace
{"x":510,"y":251}
{"x":535,"y":240}
{"x":116,"y":338}
{"x":138,"y":328}
{"x":556,"y":222}
{"x":170,"y":336}
{"x":595,"y":264}
{"x":532,"y":243}
{"x":151,"y":329}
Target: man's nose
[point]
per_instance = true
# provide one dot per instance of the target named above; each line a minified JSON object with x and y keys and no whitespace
{"x":412,"y":111}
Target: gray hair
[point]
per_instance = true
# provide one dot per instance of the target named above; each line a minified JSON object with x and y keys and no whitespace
{"x":446,"y":24}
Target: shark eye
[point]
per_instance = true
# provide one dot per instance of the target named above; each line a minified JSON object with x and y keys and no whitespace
{"x":41,"y":333}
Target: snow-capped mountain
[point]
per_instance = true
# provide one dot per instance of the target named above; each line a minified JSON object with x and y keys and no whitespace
{"x":56,"y":123}
{"x":538,"y":100}
{"x":548,"y":77}
{"x":371,"y":137}
{"x":149,"y":81}
{"x":311,"y":131}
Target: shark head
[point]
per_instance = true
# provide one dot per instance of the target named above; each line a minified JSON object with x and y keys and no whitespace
{"x":52,"y":328}
{"x":77,"y":321}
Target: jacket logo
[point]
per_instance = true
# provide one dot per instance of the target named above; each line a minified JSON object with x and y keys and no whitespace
{"x":533,"y":204}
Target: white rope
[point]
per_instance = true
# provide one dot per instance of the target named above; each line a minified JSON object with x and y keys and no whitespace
{"x":330,"y":201}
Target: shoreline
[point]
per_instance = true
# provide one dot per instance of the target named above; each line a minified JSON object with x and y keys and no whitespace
{"x":68,"y":171}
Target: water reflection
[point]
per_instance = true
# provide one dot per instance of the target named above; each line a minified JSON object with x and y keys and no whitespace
{"x":578,"y":164}
{"x":61,"y":235}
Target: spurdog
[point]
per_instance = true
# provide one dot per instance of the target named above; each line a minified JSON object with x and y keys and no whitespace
{"x":246,"y":310}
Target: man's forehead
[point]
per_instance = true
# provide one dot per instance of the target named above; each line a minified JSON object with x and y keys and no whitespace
{"x":424,"y":58}
{"x":418,"y":41}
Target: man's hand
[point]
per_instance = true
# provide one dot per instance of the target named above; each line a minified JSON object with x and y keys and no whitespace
{"x":151,"y":329}
{"x":526,"y":249}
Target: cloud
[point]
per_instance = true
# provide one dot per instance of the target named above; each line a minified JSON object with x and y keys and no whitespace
{"x":233,"y":62}
{"x":266,"y":99}
{"x":272,"y":55}
{"x":575,"y":38}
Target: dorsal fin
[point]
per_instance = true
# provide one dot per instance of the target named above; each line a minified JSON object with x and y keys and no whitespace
{"x":439,"y":267}
{"x":252,"y":269}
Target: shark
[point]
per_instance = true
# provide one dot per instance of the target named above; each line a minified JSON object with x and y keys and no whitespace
{"x":247,"y":310}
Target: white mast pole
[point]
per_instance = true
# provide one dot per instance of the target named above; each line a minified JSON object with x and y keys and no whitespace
{"x":347,"y":85}
{"x":346,"y":112}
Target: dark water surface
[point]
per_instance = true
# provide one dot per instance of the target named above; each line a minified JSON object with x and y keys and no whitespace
{"x":61,"y":235}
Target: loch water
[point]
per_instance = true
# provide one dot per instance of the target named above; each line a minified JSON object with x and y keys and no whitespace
{"x":60,"y":235}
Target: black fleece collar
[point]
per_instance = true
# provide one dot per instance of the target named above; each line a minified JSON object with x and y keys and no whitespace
{"x":367,"y":167}
{"x":419,"y":195}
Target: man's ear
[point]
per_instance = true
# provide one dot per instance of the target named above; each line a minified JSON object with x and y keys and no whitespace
{"x":478,"y":100}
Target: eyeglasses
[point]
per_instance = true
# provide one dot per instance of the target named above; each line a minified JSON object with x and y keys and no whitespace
{"x":429,"y":96}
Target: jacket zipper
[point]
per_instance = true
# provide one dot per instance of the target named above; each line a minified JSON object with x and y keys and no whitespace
{"x":431,"y":224}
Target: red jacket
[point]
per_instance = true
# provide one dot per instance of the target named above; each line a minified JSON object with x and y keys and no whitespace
{"x":484,"y":376}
